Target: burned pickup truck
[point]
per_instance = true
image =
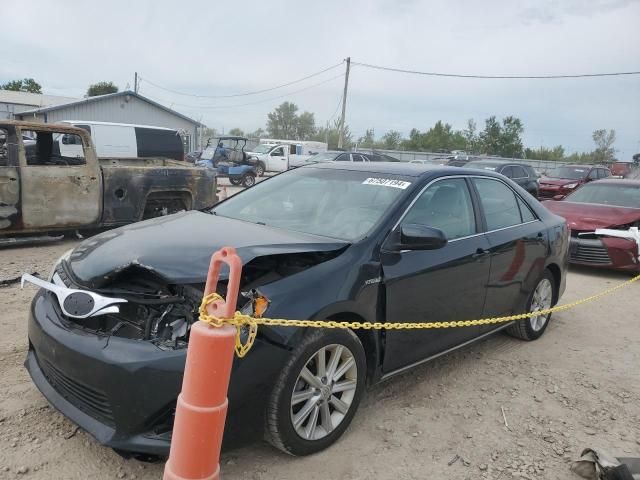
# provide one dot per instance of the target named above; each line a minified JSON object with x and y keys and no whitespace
{"x":43,"y":190}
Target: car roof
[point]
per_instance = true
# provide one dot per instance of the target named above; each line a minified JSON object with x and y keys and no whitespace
{"x":231,"y":137}
{"x":497,"y":162}
{"x":618,"y":181}
{"x":393,"y":168}
{"x":578,"y":165}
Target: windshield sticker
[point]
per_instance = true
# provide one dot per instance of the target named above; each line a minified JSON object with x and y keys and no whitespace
{"x":387,"y":182}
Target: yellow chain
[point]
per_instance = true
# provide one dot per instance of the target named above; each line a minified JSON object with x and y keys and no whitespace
{"x":240,"y":319}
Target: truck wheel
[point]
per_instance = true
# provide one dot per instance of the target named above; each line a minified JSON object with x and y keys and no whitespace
{"x":248,"y":180}
{"x":260,"y":169}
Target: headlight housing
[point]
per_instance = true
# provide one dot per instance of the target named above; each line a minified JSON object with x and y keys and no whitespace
{"x":571,"y":185}
{"x":64,"y":256}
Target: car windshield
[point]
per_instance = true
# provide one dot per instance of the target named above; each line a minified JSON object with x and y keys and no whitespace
{"x":572,"y":173}
{"x":334,"y":203}
{"x":607,"y":194}
{"x":262,"y":148}
{"x":324,"y":157}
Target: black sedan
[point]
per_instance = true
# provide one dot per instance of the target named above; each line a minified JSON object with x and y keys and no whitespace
{"x":385,"y":242}
{"x":521,"y":173}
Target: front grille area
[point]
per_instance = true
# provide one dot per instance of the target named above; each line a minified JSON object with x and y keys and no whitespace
{"x":589,"y":251}
{"x":91,"y":401}
{"x":547,"y":193}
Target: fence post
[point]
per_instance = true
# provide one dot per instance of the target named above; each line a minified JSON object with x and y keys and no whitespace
{"x":202,"y":405}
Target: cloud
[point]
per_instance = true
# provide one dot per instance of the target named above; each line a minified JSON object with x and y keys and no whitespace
{"x":219,"y":48}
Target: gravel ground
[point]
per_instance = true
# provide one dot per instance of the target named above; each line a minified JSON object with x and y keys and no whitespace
{"x":576,"y":387}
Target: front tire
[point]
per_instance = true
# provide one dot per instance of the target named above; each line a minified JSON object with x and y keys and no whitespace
{"x":317,"y":393}
{"x":260,"y":169}
{"x":543,"y":297}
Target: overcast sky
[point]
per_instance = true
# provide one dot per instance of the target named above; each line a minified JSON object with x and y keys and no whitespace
{"x":218,"y":48}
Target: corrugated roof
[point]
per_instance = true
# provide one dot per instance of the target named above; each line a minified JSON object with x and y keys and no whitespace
{"x":33,"y":99}
{"x":107,"y":96}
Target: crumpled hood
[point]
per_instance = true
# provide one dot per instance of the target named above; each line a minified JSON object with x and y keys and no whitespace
{"x":557,"y":181}
{"x":179,"y":247}
{"x":589,"y":216}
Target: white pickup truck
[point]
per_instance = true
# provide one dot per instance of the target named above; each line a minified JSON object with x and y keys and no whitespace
{"x":280,"y":155}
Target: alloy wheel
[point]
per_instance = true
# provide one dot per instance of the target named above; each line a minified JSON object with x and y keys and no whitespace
{"x":541,"y":300}
{"x":323,"y":392}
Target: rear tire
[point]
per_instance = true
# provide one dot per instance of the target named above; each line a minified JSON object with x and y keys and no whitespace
{"x":543,"y":296}
{"x":260,"y":169}
{"x":309,"y":408}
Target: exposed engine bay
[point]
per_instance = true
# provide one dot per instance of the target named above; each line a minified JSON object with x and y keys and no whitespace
{"x":162,"y":313}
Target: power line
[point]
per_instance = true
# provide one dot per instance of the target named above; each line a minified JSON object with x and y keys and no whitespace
{"x":336,"y":110}
{"x":198,"y":107}
{"x":256,"y":92}
{"x":508,"y":77}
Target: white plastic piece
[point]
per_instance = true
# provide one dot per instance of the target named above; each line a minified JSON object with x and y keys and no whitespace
{"x":632,"y":234}
{"x":101,"y":306}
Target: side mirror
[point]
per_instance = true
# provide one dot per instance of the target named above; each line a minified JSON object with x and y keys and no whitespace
{"x":417,"y":237}
{"x":558,"y":197}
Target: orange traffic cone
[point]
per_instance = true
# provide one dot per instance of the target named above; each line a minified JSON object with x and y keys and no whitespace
{"x":202,"y":404}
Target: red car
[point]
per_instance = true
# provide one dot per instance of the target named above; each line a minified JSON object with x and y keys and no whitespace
{"x":613,"y":204}
{"x":621,"y":169}
{"x":568,"y":178}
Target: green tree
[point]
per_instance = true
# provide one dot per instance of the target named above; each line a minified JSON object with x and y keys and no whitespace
{"x":285,"y":123}
{"x":511,"y":139}
{"x":440,"y":137}
{"x":368,"y":140}
{"x":305,"y":126}
{"x":604,"y":141}
{"x":391,"y":140}
{"x":24,"y":85}
{"x":556,"y":153}
{"x":504,"y":139}
{"x":330,"y":135}
{"x":101,"y":88}
{"x":259,"y":133}
{"x":472,"y":142}
{"x":237,"y":132}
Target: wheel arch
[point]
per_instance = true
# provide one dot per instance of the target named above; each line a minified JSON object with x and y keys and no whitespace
{"x":370,"y":340}
{"x":557,"y":278}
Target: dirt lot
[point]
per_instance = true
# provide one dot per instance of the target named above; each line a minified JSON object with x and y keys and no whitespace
{"x":577,"y":386}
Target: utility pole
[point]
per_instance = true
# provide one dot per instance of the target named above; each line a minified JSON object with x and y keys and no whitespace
{"x":344,"y":103}
{"x":135,"y":83}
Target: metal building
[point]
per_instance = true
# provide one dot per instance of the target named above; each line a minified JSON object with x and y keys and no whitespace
{"x":12,"y":103}
{"x":121,"y":107}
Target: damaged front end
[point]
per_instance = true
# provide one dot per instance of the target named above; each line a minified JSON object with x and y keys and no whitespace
{"x":161,"y":313}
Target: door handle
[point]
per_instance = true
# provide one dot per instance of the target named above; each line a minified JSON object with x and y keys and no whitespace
{"x":480,"y":252}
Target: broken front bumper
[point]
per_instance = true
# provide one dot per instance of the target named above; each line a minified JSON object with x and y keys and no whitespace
{"x":123,"y":391}
{"x":614,"y":253}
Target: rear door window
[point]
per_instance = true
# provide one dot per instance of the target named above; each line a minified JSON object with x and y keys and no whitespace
{"x":499,"y":203}
{"x":507,"y":171}
{"x":518,"y":172}
{"x":158,"y":143}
